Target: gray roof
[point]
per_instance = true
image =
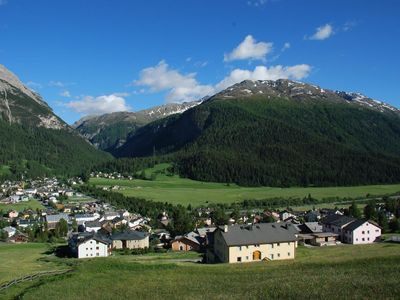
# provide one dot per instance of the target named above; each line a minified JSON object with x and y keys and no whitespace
{"x":56,"y":218}
{"x":129,"y":235}
{"x":313,"y":226}
{"x":86,"y":236}
{"x":357,"y":223}
{"x":203,"y":231}
{"x":92,"y":224}
{"x":337,"y":220}
{"x":262,"y":233}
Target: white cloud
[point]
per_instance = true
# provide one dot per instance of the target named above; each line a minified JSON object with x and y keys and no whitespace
{"x":66,"y":94}
{"x":89,"y":105}
{"x":34,"y":85}
{"x":322,"y":32}
{"x":285,"y":46}
{"x":264,"y":73}
{"x":256,"y":3}
{"x":180,"y":87}
{"x":249,"y":49}
{"x":56,"y":83}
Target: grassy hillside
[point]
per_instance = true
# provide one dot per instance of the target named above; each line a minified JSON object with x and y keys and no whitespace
{"x":277,"y":142}
{"x":176,"y":190}
{"x":362,"y":272}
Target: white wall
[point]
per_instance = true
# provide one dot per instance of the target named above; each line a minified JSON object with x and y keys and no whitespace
{"x":366,"y":234}
{"x":92,"y":248}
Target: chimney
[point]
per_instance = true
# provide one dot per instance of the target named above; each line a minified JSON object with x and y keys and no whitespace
{"x":225,"y":228}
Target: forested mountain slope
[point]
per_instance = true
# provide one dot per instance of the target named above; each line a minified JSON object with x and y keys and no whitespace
{"x":33,"y":140}
{"x":279,"y":133}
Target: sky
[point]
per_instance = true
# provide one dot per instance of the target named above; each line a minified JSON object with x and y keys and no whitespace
{"x":97,"y":56}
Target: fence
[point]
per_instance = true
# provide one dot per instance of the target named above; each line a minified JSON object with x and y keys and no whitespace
{"x":32,"y":277}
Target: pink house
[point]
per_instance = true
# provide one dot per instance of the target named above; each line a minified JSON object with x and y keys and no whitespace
{"x":13,"y":214}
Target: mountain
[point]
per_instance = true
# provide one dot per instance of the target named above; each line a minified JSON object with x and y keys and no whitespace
{"x":110,"y":131}
{"x":278,"y":133}
{"x":33,"y":140}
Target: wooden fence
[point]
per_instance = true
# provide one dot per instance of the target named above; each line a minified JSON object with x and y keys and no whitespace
{"x":32,"y":277}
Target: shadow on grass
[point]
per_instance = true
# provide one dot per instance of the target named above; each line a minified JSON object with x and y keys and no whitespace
{"x":62,"y":251}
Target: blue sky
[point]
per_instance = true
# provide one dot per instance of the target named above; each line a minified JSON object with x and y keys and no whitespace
{"x":98,"y":56}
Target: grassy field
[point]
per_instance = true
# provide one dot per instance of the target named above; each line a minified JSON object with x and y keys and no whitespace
{"x":342,"y":272}
{"x":183,"y":191}
{"x":32,"y":204}
{"x":23,"y":259}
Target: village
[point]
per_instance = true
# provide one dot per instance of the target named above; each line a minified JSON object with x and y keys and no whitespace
{"x":94,"y":228}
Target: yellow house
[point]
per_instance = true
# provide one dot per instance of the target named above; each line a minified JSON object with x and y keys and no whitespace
{"x":255,"y":242}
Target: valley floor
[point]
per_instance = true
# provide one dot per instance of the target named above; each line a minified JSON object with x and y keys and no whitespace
{"x":184,"y":191}
{"x":342,"y":272}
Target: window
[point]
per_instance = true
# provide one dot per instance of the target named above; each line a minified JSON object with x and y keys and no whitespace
{"x":240,"y":248}
{"x":363,"y":239}
{"x":288,"y":254}
{"x":239,"y":259}
{"x":288,"y":244}
{"x":357,"y":239}
{"x":247,"y":258}
{"x":271,"y":256}
{"x":363,"y":232}
{"x":368,"y":231}
{"x":279,"y":255}
{"x":376,"y":230}
{"x":368,"y":239}
{"x":278,"y":244}
{"x":272,"y":246}
{"x":97,"y":254}
{"x":97,"y":248}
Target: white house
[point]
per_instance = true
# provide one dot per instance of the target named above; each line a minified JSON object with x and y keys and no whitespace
{"x":351,"y":230}
{"x":361,"y":232}
{"x":10,"y":230}
{"x":82,"y":218}
{"x":92,"y":226}
{"x":89,"y":245}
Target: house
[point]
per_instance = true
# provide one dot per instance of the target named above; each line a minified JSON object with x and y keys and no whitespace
{"x":312,"y":216}
{"x":310,"y":227}
{"x":10,"y":231}
{"x":361,"y":232}
{"x":130,"y":240}
{"x":86,"y":245}
{"x":351,"y":230}
{"x":188,"y":242}
{"x":284,"y":215}
{"x":319,"y":238}
{"x":82,"y":218}
{"x":18,"y":238}
{"x":52,"y":220}
{"x":254,"y":242}
{"x":92,"y":226}
{"x":13,"y":214}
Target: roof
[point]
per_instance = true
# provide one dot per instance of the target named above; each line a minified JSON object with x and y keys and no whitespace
{"x":313,"y":226}
{"x":56,"y":218}
{"x":263,"y":233}
{"x":357,"y":223}
{"x":203,"y":231}
{"x":86,"y":236}
{"x":337,"y":220}
{"x":129,"y":235}
{"x":94,"y":223}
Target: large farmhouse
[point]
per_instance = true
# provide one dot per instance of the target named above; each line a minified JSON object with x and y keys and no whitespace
{"x":86,"y":245}
{"x":351,"y":230}
{"x":256,"y":242}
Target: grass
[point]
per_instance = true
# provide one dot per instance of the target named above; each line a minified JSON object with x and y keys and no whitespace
{"x":176,"y":190}
{"x":342,"y":272}
{"x":17,"y":260}
{"x":32,"y":204}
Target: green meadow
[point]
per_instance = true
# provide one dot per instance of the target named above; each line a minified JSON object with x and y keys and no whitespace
{"x":32,"y":204}
{"x":176,"y":190}
{"x":341,"y":272}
